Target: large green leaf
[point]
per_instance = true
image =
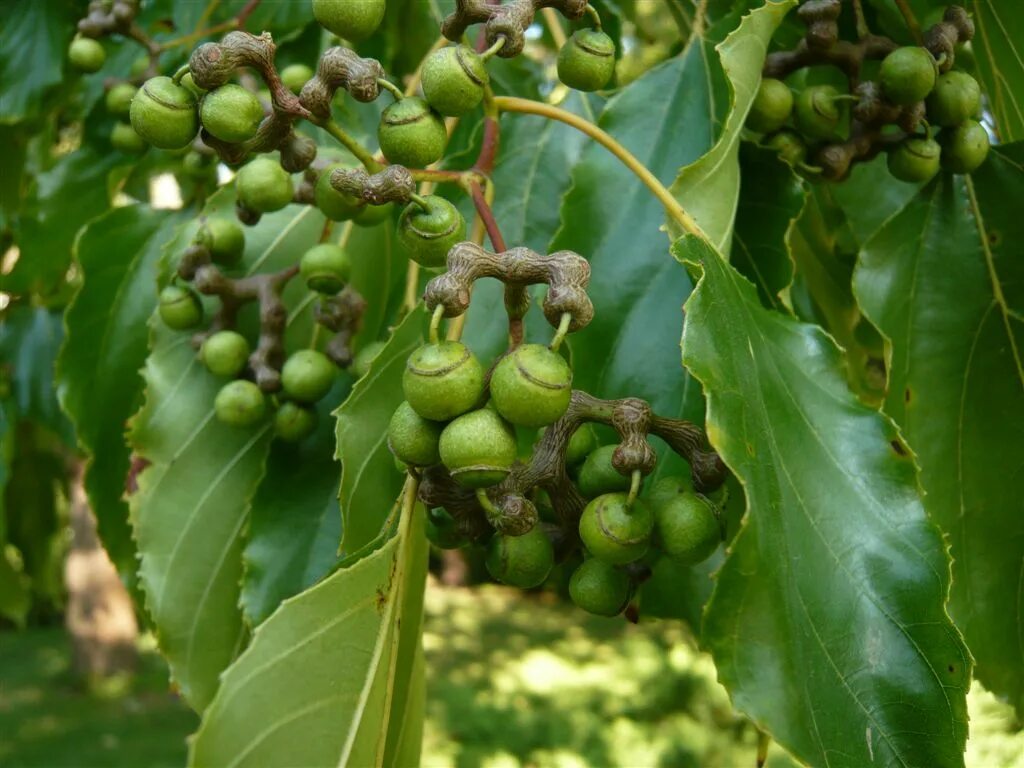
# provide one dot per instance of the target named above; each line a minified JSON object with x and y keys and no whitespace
{"x":30,"y":338}
{"x":999,"y":48}
{"x":709,"y":188}
{"x":944,"y":282}
{"x":105,"y":345}
{"x":335,"y":676}
{"x":828,"y":622}
{"x":368,"y":471}
{"x":192,"y":501}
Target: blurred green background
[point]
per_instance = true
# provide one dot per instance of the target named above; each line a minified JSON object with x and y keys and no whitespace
{"x":514,"y":681}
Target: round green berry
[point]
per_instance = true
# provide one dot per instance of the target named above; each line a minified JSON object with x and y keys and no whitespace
{"x":616,"y":531}
{"x":600,"y":588}
{"x":411,"y":133}
{"x":123,"y":138}
{"x":231,"y":113}
{"x":666,"y":489}
{"x":521,"y":561}
{"x":915,"y":159}
{"x":582,"y":443}
{"x":531,"y":386}
{"x":86,"y":55}
{"x":442,"y":530}
{"x":687,"y":528}
{"x":772,"y":106}
{"x":454,"y":79}
{"x":307,"y":375}
{"x":413,"y":439}
{"x":352,"y":20}
{"x":791,"y":148}
{"x":956,"y":98}
{"x":817,"y":114}
{"x":325,"y":268}
{"x":294,"y":422}
{"x":478,"y":448}
{"x":294,"y":76}
{"x":443,"y":380}
{"x":597,"y":475}
{"x":965,"y":147}
{"x":586,"y":61}
{"x":364,"y":358}
{"x":119,"y":99}
{"x":428,"y":234}
{"x":240,"y":403}
{"x":335,"y":205}
{"x":164,"y":114}
{"x":264,"y":186}
{"x":225,"y":353}
{"x":180,"y":308}
{"x":224,"y":239}
{"x":907,"y":75}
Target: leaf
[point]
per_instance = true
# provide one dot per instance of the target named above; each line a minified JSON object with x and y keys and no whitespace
{"x":770,"y":201}
{"x":944,"y":282}
{"x":999,"y":46}
{"x":193,"y":499}
{"x":368,"y":471}
{"x":105,"y":345}
{"x":15,"y":599}
{"x":708,"y":189}
{"x":334,"y":677}
{"x":32,"y":53}
{"x":828,"y":622}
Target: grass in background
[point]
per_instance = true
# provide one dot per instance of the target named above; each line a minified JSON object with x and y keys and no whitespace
{"x":513,"y":681}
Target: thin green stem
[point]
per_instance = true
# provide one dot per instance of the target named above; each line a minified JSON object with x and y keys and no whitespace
{"x":911,"y":20}
{"x":498,"y":45}
{"x":435,"y":323}
{"x":182,"y":71}
{"x":563,"y":329}
{"x":595,"y":17}
{"x":420,"y":201}
{"x":362,"y":153}
{"x":391,"y":88}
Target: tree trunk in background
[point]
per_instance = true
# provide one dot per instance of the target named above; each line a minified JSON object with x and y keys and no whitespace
{"x":100,"y":617}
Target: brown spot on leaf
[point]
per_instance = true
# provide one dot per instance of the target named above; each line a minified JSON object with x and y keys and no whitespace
{"x":995,"y":238}
{"x":906,"y":395}
{"x":898,"y":447}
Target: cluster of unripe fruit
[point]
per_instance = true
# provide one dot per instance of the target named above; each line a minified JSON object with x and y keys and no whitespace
{"x":455,"y":418}
{"x":913,"y":92}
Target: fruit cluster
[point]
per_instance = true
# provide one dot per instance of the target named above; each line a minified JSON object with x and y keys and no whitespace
{"x":296,"y":380}
{"x":460,"y":429}
{"x":914,"y":89}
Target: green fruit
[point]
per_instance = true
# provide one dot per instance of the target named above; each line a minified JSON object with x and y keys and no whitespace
{"x":586,"y":61}
{"x":294,"y":422}
{"x":224,"y":239}
{"x":225,"y":353}
{"x":597,"y":475}
{"x":180,"y":308}
{"x":915,"y":159}
{"x":164,"y":114}
{"x":667,"y":489}
{"x":307,"y":375}
{"x":264,"y":186}
{"x":521,"y":561}
{"x":772,"y":106}
{"x":478,"y":448}
{"x":956,"y":98}
{"x":965,"y":147}
{"x":240,"y":403}
{"x":413,"y":439}
{"x":335,"y":205}
{"x":351,"y":20}
{"x":817,"y":114}
{"x":294,"y":76}
{"x":454,"y":79}
{"x":531,"y":386}
{"x":442,"y":530}
{"x":687,"y":529}
{"x":614,"y":531}
{"x":582,"y":443}
{"x":231,"y":113}
{"x":364,"y":358}
{"x":443,"y":380}
{"x":790,"y":147}
{"x":429,"y":234}
{"x":372,"y":215}
{"x":325,"y":268}
{"x":907,"y":75}
{"x":411,"y":133}
{"x":600,"y":588}
{"x":123,"y":138}
{"x":119,"y":99}
{"x":86,"y":54}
